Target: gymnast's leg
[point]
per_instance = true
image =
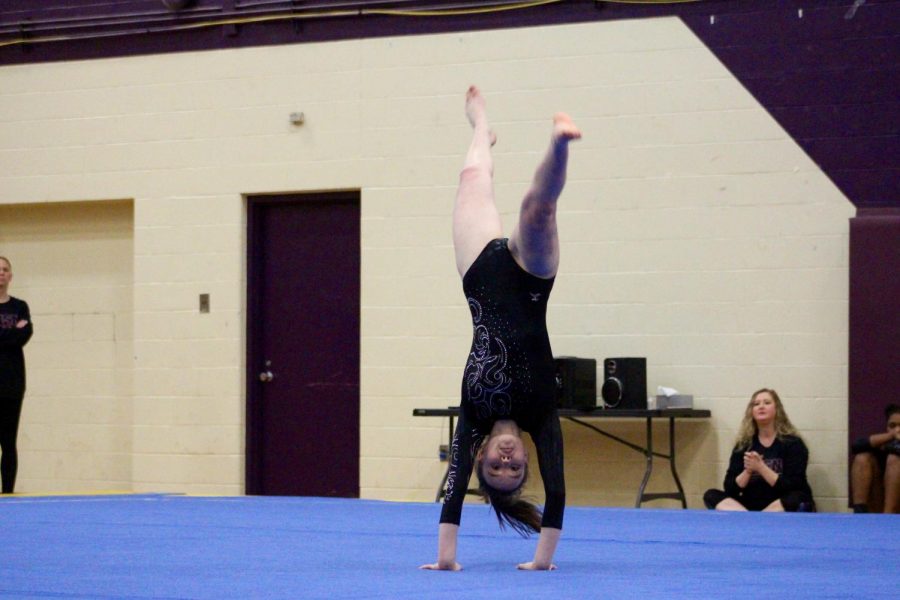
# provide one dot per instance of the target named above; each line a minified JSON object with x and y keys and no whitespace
{"x":535,"y":241}
{"x":476,"y":220}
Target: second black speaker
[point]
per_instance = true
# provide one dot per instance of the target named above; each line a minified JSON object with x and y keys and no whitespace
{"x":576,"y":382}
{"x":624,"y":382}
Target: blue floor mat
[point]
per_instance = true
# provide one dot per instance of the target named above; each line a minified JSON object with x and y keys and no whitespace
{"x":168,"y":546}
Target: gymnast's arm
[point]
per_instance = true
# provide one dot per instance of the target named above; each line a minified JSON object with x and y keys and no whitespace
{"x":462,"y":457}
{"x":549,"y":444}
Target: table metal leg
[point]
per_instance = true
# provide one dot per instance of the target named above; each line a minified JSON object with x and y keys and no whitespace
{"x":672,"y":462}
{"x":440,"y":490}
{"x":648,"y":453}
{"x":679,"y":495}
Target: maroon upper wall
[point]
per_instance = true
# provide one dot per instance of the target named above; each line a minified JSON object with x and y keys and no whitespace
{"x":830,"y":76}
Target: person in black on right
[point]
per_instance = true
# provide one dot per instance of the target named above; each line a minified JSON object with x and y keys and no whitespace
{"x":875,"y":472}
{"x":767,"y":470}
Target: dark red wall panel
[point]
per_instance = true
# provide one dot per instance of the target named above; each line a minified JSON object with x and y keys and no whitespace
{"x":874,"y":369}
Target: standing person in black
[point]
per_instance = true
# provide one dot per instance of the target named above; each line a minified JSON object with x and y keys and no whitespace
{"x":767,"y":470}
{"x":15,"y":331}
{"x":509,"y":380}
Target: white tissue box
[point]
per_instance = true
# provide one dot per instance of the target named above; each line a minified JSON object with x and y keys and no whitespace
{"x":675,"y":401}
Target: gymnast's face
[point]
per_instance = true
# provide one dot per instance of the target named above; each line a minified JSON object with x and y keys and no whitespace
{"x":504,"y":460}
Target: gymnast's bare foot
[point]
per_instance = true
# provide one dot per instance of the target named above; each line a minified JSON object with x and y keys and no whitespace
{"x":564,"y":129}
{"x":476,"y":107}
{"x":476,"y":111}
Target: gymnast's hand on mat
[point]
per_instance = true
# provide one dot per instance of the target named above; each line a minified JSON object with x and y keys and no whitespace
{"x":531,"y":566}
{"x":454,"y":566}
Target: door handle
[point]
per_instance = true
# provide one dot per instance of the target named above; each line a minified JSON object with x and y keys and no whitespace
{"x":266,"y":376}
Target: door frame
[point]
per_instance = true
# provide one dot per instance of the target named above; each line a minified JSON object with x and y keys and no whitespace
{"x":255,"y":203}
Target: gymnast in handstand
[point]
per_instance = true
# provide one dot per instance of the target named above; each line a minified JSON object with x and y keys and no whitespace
{"x":509,"y":381}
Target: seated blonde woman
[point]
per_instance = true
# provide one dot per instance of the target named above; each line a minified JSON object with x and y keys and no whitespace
{"x":767,"y":470}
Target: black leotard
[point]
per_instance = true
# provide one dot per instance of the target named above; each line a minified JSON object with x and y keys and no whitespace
{"x":509,"y":375}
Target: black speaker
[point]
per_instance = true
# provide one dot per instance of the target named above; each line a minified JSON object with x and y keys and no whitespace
{"x":624,"y":383}
{"x":576,"y":382}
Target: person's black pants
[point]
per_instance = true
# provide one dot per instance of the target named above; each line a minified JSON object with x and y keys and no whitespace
{"x":10,"y":411}
{"x":791,"y":501}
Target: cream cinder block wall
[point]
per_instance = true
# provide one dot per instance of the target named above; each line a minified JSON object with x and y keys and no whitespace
{"x":72,"y":264}
{"x":695,"y":232}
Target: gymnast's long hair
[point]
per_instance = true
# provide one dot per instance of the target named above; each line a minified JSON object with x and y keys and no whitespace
{"x":509,"y":506}
{"x":748,"y":428}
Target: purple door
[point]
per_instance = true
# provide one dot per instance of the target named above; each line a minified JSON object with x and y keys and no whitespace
{"x":303,"y":285}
